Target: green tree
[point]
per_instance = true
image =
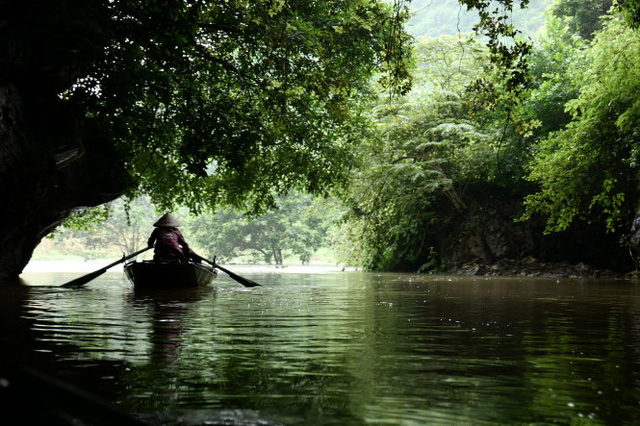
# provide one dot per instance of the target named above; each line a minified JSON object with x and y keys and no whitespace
{"x":631,"y":11}
{"x":123,"y":224}
{"x":427,"y":155}
{"x":236,"y":101}
{"x":509,"y":52}
{"x":589,"y":170}
{"x":191,"y":102}
{"x":557,"y":56}
{"x":582,"y":17}
{"x":297,"y":226}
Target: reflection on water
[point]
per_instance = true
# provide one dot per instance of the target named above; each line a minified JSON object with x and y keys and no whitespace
{"x":341,"y":348}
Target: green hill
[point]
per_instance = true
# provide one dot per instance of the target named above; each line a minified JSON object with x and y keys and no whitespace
{"x":447,"y":17}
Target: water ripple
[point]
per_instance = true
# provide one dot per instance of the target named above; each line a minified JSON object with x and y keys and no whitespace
{"x":347,"y":349}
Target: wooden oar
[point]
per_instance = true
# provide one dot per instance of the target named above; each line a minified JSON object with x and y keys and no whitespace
{"x":244,"y":281}
{"x":79,"y":282}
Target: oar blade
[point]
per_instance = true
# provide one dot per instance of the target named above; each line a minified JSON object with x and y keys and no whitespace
{"x":79,"y":282}
{"x":244,"y":281}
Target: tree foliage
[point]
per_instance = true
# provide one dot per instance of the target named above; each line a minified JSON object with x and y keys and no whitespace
{"x":582,"y":17}
{"x":569,"y":127}
{"x":297,"y":227}
{"x":557,"y":56}
{"x":267,"y":96}
{"x":507,"y":50}
{"x":434,"y":18}
{"x":590,"y":168}
{"x":631,"y":12}
{"x":427,"y":153}
{"x":123,"y":224}
{"x":232,"y":102}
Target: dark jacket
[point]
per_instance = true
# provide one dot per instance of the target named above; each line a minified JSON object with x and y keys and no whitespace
{"x":169,"y":244}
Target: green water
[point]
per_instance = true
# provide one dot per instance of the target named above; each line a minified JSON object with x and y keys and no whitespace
{"x":340,"y":348}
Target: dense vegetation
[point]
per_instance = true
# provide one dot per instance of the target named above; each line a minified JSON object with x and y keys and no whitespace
{"x":234,"y":102}
{"x":535,"y":157}
{"x":446,"y":169}
{"x":201,"y":103}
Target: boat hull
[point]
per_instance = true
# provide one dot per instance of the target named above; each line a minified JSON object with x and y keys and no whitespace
{"x":150,"y":275}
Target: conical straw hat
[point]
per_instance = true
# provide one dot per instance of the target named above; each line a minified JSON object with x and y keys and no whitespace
{"x":168,"y":220}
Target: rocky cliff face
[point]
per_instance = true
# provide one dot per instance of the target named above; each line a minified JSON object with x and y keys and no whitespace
{"x":51,"y":159}
{"x":51,"y":163}
{"x":523,"y":248}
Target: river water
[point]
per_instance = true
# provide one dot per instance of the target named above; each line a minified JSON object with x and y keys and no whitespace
{"x":335,"y":348}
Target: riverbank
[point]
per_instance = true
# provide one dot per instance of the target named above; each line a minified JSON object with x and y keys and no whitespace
{"x":531,"y":267}
{"x":44,"y":266}
{"x":527,"y":267}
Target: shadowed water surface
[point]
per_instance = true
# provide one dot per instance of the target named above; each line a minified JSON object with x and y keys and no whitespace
{"x":339,"y":348}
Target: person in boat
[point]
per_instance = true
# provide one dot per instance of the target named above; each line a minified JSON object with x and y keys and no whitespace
{"x":170,"y":245}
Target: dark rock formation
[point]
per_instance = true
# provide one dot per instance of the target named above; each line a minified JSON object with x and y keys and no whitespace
{"x":52,"y":160}
{"x":532,"y":267}
{"x":522,"y":248}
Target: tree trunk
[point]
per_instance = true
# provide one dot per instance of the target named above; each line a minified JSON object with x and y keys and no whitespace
{"x":277,"y":255}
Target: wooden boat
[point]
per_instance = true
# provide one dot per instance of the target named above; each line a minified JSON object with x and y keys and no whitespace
{"x":151,"y":274}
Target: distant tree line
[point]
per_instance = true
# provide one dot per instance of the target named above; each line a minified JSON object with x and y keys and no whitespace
{"x":291,"y":232}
